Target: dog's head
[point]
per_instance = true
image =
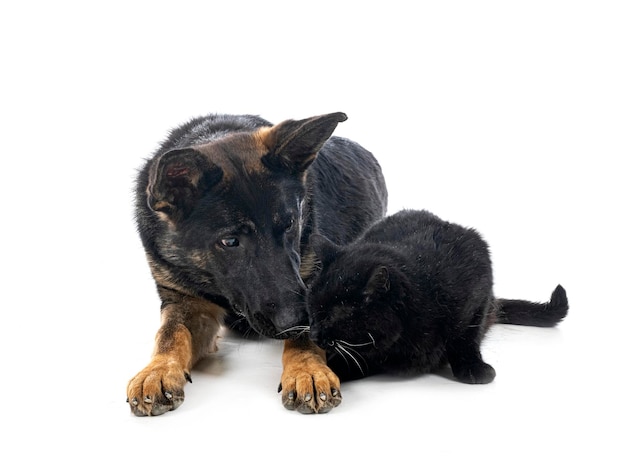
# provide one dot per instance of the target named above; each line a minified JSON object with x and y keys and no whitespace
{"x":231,"y":217}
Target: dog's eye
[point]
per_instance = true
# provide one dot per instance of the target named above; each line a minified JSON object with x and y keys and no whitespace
{"x":291,"y":225}
{"x":229,"y":242}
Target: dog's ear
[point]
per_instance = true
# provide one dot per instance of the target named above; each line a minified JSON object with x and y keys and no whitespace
{"x":378,"y":281}
{"x":293,"y":145}
{"x":325,"y":250}
{"x":177,"y":179}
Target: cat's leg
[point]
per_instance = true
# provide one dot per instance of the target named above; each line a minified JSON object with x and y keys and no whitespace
{"x":467,"y":364}
{"x":464,"y":354}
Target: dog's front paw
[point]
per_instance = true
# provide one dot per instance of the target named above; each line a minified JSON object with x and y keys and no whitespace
{"x":158,"y":388}
{"x":310,"y":388}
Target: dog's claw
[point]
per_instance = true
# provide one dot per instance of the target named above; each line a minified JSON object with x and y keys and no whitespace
{"x":317,"y":397}
{"x":157,"y":389}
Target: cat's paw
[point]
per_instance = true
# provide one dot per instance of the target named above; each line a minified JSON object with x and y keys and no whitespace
{"x":311,"y":388}
{"x":157,"y":389}
{"x":478,"y":373}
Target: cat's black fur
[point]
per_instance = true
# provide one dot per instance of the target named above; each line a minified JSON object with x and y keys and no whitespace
{"x":413,"y":293}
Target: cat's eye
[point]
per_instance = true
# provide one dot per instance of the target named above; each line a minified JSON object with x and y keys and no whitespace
{"x":229,"y":242}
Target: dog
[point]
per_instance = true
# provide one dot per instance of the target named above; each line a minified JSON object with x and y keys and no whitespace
{"x":224,"y":209}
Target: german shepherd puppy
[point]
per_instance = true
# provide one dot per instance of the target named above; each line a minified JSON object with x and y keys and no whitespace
{"x":225,"y":209}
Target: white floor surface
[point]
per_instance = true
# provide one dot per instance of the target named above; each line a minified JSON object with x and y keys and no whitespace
{"x":506,"y":118}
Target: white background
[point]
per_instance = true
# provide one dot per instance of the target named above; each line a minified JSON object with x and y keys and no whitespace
{"x":505,"y":116}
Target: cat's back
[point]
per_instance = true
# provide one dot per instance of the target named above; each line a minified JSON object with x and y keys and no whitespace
{"x":406,"y":227}
{"x":430,"y":241}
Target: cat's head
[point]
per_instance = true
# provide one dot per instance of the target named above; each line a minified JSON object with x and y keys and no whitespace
{"x":351,"y":300}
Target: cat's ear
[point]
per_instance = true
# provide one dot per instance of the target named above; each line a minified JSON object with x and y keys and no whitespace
{"x":378,"y":281}
{"x":325,"y":250}
{"x":177,"y":179}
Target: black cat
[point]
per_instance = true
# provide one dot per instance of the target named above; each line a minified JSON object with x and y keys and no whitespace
{"x":413,"y":293}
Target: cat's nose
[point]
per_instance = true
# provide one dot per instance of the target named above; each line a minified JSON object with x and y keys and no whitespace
{"x":320,"y":340}
{"x":317,"y":337}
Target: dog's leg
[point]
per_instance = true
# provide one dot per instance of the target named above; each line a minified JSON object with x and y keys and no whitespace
{"x":307,"y":383}
{"x":188,"y":332}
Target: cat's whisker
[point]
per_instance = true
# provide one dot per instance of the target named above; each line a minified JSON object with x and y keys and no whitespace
{"x":349,"y":354}
{"x":300,"y":329}
{"x":340,"y":352}
{"x":356,"y":345}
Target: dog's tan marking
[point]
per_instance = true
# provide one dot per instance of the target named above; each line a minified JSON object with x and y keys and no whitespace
{"x":189,"y":331}
{"x":308,"y":385}
{"x":244,"y":148}
{"x":175,"y":344}
{"x":257,"y":150}
{"x":159,"y":386}
{"x":203,"y":319}
{"x":161,"y":274}
{"x":265,"y":138}
{"x":308,"y":264}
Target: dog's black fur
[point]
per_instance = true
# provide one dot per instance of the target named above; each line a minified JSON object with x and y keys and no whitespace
{"x":269,"y":212}
{"x":413,"y":293}
{"x":225,"y":209}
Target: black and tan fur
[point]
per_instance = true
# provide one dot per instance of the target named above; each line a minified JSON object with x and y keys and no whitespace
{"x":225,"y":209}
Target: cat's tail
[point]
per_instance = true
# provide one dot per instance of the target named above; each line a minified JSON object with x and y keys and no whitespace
{"x":522,"y":312}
